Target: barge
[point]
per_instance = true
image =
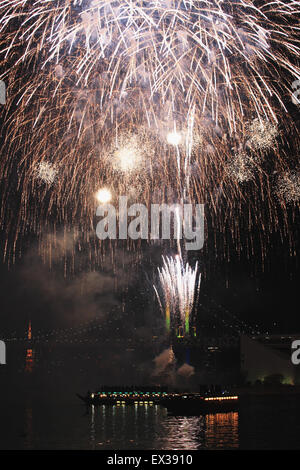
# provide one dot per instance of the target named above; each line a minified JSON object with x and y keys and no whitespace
{"x":176,"y":403}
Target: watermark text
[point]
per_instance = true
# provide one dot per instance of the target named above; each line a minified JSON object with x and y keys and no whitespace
{"x":164,"y":221}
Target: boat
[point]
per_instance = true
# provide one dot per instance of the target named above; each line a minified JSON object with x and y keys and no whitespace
{"x":195,"y":404}
{"x":175,"y":403}
{"x":122,"y":398}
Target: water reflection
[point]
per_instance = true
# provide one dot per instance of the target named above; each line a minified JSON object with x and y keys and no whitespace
{"x":184,"y":433}
{"x":211,"y":431}
{"x":222,"y":430}
{"x":28,"y":431}
{"x":150,"y":427}
{"x":92,"y":434}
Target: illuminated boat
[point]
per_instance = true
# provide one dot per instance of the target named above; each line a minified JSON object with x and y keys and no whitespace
{"x":176,"y":403}
{"x":195,"y":404}
{"x":123,"y":398}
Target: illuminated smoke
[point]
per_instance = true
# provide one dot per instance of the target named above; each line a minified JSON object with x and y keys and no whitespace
{"x":186,"y":370}
{"x":164,"y":362}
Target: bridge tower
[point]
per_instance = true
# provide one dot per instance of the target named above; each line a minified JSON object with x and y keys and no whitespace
{"x":29,"y":362}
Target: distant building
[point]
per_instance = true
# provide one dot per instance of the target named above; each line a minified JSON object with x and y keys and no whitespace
{"x":267,"y":358}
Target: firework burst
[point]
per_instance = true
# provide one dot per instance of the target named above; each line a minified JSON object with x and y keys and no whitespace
{"x":288,"y":187}
{"x":261,"y":134}
{"x":180,"y":285}
{"x":241,"y":167}
{"x":46,"y":172}
{"x":138,"y":95}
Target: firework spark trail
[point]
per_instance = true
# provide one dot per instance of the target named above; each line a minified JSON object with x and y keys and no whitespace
{"x":180,"y":285}
{"x":175,"y":46}
{"x":136,"y":95}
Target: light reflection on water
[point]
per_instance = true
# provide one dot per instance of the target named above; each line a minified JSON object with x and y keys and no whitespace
{"x":53,"y":424}
{"x":222,"y":430}
{"x":144,"y":427}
